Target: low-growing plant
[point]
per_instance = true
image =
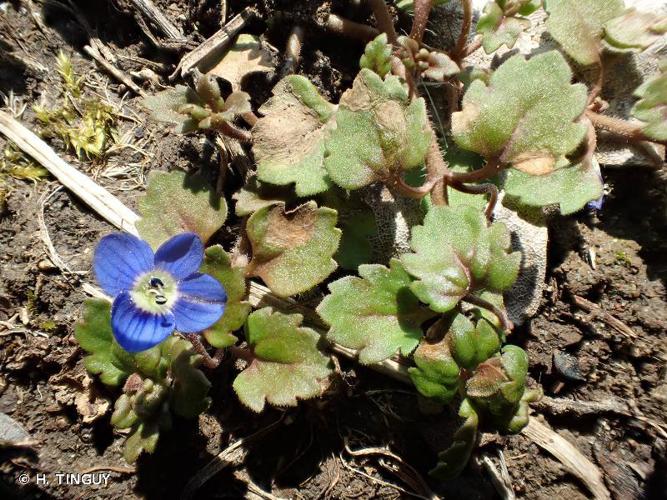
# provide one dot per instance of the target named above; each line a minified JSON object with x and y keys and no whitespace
{"x":307,"y":209}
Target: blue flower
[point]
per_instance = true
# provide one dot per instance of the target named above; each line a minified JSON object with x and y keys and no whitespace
{"x":156,"y":293}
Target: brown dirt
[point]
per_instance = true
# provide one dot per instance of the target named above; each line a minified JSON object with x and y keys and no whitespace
{"x":41,"y":372}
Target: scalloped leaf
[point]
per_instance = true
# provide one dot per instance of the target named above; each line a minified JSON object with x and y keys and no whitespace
{"x":530,"y":126}
{"x":106,"y":359}
{"x":652,"y":106}
{"x":218,"y":264}
{"x":289,"y":138}
{"x":286,"y":366}
{"x":569,"y":186}
{"x":175,"y":203}
{"x":246,"y":56}
{"x":497,"y":29}
{"x":379,"y":132}
{"x":635,"y":30}
{"x":292,"y":250}
{"x":164,"y":107}
{"x":377,"y":56}
{"x":376,"y":314}
{"x":437,"y":375}
{"x":190,"y":387}
{"x":456,"y":254}
{"x":578,"y":25}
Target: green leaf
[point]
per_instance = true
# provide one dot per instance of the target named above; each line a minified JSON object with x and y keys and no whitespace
{"x":635,"y":30}
{"x":292,"y":250}
{"x":377,"y":56}
{"x":577,"y":25}
{"x":357,"y":222}
{"x":175,"y":203}
{"x":286,"y":364}
{"x":569,"y":186}
{"x":289,"y":140}
{"x":144,"y":438}
{"x":472,"y":343}
{"x":379,"y":132}
{"x":437,"y":375}
{"x":376,"y":314}
{"x":652,"y":106}
{"x":218,"y":264}
{"x":123,"y":416}
{"x":164,"y":107}
{"x":498,"y":30}
{"x":107,"y":359}
{"x":456,"y":253}
{"x":189,"y":390}
{"x":255,"y":195}
{"x":530,"y":126}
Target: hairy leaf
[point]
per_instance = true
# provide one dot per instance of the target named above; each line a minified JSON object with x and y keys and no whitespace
{"x":377,"y":56}
{"x":577,"y":25}
{"x":652,"y":106}
{"x":175,"y":203}
{"x":530,"y":126}
{"x":289,"y":139}
{"x":256,"y":194}
{"x":569,"y":186}
{"x":164,"y":107}
{"x":456,"y":253}
{"x":292,"y":251}
{"x":437,"y":375}
{"x":376,"y":314}
{"x":217,"y":263}
{"x":497,"y":29}
{"x":635,"y":30}
{"x":286,"y":364}
{"x":379,"y":132}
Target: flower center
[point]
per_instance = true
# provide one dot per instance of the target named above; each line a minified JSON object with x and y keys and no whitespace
{"x":155,"y":292}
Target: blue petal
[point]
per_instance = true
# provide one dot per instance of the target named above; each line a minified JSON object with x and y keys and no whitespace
{"x":136,"y":330}
{"x":200,"y":304}
{"x":181,"y":255}
{"x":119,"y":259}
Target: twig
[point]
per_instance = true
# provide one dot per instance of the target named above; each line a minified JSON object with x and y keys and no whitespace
{"x":99,"y":199}
{"x":212,"y":48}
{"x":501,"y":481}
{"x":422,"y":9}
{"x":604,"y":316}
{"x":155,"y":15}
{"x":231,"y":456}
{"x":460,"y":49}
{"x":383,"y":19}
{"x":350,"y":29}
{"x":113,"y":71}
{"x":576,"y":463}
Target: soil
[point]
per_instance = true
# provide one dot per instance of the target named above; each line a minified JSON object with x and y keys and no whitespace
{"x":615,"y":258}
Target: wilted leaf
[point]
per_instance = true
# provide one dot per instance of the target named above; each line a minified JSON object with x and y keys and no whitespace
{"x":292,"y":251}
{"x":246,"y":56}
{"x":377,"y":56}
{"x":530,"y":126}
{"x":570,"y":186}
{"x":175,"y":203}
{"x":497,"y":29}
{"x":164,"y":107}
{"x":577,"y":25}
{"x":379,"y":132}
{"x":289,"y":139}
{"x":652,"y":106}
{"x":635,"y":30}
{"x":376,"y":314}
{"x":217,"y":263}
{"x":286,"y":364}
{"x":456,"y":253}
{"x":106,"y":358}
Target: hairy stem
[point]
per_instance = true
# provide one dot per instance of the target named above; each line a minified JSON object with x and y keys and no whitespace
{"x":485,"y":304}
{"x":489,"y":170}
{"x":488,"y":188}
{"x":211,"y":362}
{"x":422,"y":9}
{"x":234,"y":132}
{"x":350,"y":29}
{"x":383,"y":19}
{"x":416,"y":193}
{"x":437,"y":168}
{"x":629,"y":131}
{"x":597,"y":88}
{"x":459,"y":50}
{"x":472,"y":47}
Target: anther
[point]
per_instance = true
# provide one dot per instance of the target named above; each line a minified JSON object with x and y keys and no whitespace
{"x":156,"y":283}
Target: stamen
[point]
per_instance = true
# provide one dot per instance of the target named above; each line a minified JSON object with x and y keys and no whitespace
{"x":160,"y":300}
{"x":156,"y":283}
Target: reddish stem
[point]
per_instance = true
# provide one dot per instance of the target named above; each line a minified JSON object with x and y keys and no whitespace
{"x":384,"y":20}
{"x":489,"y":170}
{"x":488,"y":188}
{"x":209,"y":361}
{"x":507,"y":325}
{"x":422,"y":9}
{"x":350,"y":29}
{"x":459,"y":50}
